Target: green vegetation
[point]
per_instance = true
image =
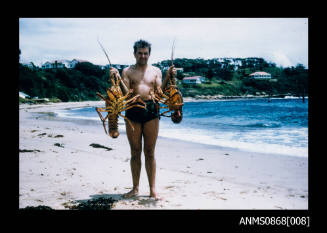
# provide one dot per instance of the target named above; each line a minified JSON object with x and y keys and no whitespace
{"x":78,"y":84}
{"x":228,"y":77}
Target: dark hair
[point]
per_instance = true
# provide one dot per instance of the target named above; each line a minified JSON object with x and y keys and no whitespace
{"x":142,"y":44}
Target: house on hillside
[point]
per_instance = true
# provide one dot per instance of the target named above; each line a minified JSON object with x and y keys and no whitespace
{"x":193,"y":80}
{"x":29,"y":65}
{"x":260,"y":75}
{"x":47,"y":65}
{"x":53,"y":65}
{"x":62,"y":63}
{"x":75,"y":61}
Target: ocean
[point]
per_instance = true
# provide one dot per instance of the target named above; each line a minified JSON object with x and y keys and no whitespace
{"x":279,"y":126}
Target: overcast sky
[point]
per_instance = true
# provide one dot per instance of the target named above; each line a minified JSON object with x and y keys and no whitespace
{"x":283,"y":41}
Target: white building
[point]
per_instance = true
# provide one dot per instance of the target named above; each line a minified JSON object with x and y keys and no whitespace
{"x":29,"y":65}
{"x":52,"y":65}
{"x":177,"y":69}
{"x":62,"y":63}
{"x":194,"y":80}
{"x":260,"y":75}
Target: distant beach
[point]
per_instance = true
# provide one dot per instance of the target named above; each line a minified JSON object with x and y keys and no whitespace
{"x":57,"y":167}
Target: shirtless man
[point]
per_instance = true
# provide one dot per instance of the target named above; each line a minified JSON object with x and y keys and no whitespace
{"x":143,"y":78}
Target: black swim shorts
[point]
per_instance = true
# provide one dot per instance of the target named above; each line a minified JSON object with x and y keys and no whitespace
{"x":142,"y":115}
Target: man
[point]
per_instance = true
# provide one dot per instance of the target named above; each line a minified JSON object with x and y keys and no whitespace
{"x":143,"y":78}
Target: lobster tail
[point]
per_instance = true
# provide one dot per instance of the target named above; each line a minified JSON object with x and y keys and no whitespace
{"x":113,"y":126}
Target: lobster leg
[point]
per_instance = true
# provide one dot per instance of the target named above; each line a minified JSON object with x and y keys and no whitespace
{"x":141,"y":101}
{"x":101,"y":96}
{"x":132,"y":100}
{"x":163,"y":114}
{"x":126,"y":96}
{"x":130,"y":123}
{"x":107,"y":101}
{"x":129,"y":107}
{"x":99,"y":110}
{"x":103,"y":110}
{"x":103,"y":120}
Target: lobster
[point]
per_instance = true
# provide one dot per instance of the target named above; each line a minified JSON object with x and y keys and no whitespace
{"x":170,"y":96}
{"x":116,"y":103}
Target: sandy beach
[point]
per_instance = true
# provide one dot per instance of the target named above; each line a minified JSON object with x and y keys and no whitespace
{"x":57,"y":166}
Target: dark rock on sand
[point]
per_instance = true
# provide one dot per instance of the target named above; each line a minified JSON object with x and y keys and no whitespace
{"x":95,"y":145}
{"x":59,"y":145}
{"x":24,"y":150}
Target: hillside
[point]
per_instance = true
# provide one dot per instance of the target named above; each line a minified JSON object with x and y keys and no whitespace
{"x":224,"y":76}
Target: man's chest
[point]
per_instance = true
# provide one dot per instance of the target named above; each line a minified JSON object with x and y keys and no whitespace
{"x":139,"y":78}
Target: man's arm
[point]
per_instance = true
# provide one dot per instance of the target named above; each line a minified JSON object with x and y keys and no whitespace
{"x":125,"y":82}
{"x":158,"y":82}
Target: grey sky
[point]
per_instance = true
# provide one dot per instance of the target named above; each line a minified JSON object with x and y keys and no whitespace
{"x":283,"y":41}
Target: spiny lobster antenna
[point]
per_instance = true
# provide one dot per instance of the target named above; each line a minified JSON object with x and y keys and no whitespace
{"x":172,"y":53}
{"x":172,"y":58}
{"x":104,"y":52}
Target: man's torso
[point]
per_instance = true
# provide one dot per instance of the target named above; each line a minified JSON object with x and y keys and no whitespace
{"x":142,"y":82}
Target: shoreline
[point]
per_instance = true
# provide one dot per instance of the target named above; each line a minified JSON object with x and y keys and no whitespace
{"x":186,"y":99}
{"x":47,"y":114}
{"x":246,"y":97}
{"x":75,"y":105}
{"x":189,"y":175}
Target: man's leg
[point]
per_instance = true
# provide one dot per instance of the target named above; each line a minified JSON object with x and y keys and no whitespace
{"x":150,"y":134}
{"x":135,"y":142}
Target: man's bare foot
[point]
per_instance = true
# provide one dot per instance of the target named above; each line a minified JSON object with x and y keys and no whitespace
{"x":130,"y":194}
{"x":155,"y":196}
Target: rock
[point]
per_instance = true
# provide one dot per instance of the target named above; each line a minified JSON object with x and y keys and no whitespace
{"x":95,"y":145}
{"x":59,"y":145}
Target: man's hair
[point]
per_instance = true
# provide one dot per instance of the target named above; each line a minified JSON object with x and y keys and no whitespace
{"x":142,"y":44}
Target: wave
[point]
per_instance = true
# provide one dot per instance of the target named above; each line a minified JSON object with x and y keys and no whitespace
{"x":242,"y":125}
{"x":68,"y":114}
{"x":229,"y":140}
{"x":263,"y":125}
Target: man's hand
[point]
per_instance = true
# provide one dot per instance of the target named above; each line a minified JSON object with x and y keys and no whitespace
{"x":114,"y":72}
{"x":171,"y":72}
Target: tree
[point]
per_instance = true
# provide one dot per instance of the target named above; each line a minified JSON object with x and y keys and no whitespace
{"x":88,"y":68}
{"x":209,"y":74}
{"x":179,"y":75}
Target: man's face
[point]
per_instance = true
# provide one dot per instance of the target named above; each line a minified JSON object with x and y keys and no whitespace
{"x":142,"y":56}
